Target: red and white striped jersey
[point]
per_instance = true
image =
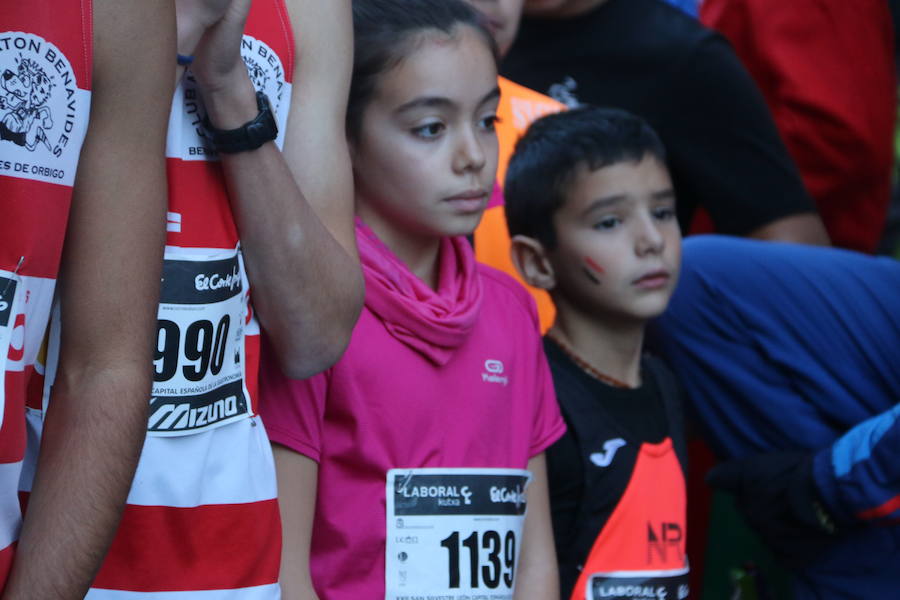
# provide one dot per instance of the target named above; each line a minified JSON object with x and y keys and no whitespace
{"x":202,"y":515}
{"x":45,"y":82}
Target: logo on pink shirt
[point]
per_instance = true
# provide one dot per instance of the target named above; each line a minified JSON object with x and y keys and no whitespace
{"x":494,"y":372}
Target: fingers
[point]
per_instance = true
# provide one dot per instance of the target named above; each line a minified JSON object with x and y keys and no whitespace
{"x":195,"y":17}
{"x":238,"y":11}
{"x":229,"y":26}
{"x":217,"y":52}
{"x":201,"y":13}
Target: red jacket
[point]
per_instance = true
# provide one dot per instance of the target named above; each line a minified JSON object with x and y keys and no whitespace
{"x":826,"y":68}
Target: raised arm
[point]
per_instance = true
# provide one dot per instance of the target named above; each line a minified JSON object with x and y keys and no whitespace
{"x":109,"y":288}
{"x":293,"y":208}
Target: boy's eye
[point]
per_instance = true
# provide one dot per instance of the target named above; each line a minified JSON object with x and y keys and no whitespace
{"x":607,"y":223}
{"x":429,"y":130}
{"x":664,"y":213}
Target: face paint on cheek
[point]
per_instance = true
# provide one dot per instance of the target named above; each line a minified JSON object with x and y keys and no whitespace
{"x":590,"y":276}
{"x":592,"y":270}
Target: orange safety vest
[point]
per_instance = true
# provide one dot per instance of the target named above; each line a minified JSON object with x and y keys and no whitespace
{"x":519,"y":107}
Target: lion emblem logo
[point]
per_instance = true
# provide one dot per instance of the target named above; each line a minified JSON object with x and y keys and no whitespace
{"x":258,"y":75}
{"x":24,"y":94}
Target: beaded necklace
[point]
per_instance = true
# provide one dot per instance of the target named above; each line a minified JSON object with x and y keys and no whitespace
{"x":586,"y":367}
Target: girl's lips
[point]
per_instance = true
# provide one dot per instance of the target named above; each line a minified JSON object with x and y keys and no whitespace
{"x":469,"y":201}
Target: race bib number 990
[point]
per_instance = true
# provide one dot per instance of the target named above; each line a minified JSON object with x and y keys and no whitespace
{"x":199,"y":370}
{"x":453,"y":534}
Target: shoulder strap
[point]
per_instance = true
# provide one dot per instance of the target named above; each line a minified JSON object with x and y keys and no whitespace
{"x":671,"y":393}
{"x":576,"y":419}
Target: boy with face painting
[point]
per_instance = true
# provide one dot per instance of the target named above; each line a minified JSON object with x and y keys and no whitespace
{"x":591,"y":212}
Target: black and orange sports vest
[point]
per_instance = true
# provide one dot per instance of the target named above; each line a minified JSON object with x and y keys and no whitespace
{"x":627,"y":539}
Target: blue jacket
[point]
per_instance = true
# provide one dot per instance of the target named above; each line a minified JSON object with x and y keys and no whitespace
{"x":787,"y":347}
{"x":691,"y":7}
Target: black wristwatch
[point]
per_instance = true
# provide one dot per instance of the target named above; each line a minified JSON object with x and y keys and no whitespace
{"x":250,"y":135}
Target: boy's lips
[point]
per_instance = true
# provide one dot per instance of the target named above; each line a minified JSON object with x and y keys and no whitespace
{"x":653,"y":280}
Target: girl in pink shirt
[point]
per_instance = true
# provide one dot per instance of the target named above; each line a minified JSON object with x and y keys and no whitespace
{"x":406,"y":469}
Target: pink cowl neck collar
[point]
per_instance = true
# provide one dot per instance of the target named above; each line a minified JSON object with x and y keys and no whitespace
{"x":434,"y":323}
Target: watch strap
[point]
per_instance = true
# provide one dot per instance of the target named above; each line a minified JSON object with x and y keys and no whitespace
{"x":250,"y":135}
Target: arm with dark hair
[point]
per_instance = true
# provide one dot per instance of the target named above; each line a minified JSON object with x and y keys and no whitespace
{"x":726,"y":154}
{"x":108,"y":289}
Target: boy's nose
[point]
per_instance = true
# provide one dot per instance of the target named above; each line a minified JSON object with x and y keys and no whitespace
{"x":650,"y":238}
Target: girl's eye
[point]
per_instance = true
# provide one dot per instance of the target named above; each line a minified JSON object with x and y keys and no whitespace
{"x":607,"y":223}
{"x":664,"y":213}
{"x":489,"y":123}
{"x":429,"y":130}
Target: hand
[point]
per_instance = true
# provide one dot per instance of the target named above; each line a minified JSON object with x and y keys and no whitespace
{"x":194,"y":17}
{"x":211,"y":31}
{"x":776,"y":494}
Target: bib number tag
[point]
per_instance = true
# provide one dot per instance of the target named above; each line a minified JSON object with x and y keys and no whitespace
{"x":453,"y":534}
{"x":10,"y":284}
{"x":199,"y":356}
{"x":639,"y":585}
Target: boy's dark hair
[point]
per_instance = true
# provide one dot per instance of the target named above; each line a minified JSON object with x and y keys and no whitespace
{"x":383,"y":33}
{"x":547,"y":156}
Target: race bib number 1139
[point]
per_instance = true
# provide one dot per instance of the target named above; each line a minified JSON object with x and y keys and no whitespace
{"x":453,"y":534}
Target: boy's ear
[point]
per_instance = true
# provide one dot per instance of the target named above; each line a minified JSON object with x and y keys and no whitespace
{"x":530,"y":259}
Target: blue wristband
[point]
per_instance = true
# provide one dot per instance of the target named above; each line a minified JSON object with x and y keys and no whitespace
{"x":185,"y":59}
